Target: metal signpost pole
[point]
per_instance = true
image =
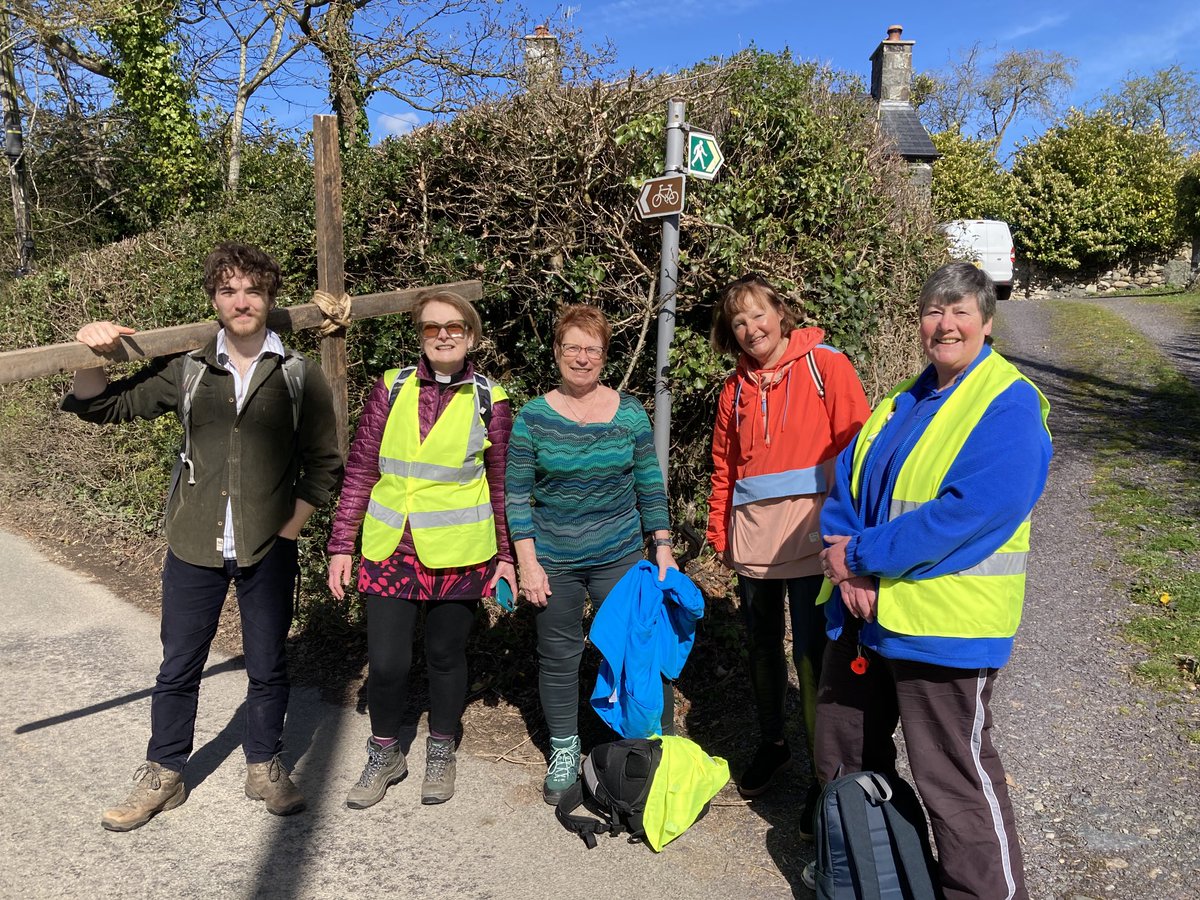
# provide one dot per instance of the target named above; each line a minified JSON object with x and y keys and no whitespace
{"x":668,"y":278}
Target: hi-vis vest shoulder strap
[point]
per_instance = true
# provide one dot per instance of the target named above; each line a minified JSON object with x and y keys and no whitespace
{"x":437,"y":486}
{"x":985,"y":600}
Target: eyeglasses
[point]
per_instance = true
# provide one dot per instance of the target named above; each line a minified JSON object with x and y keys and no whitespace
{"x":456,"y":330}
{"x":594,"y":353}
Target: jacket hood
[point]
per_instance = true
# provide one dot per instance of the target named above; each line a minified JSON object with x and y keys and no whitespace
{"x":799,"y":342}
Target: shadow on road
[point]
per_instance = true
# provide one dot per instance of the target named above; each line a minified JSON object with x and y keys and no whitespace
{"x":227,"y":666}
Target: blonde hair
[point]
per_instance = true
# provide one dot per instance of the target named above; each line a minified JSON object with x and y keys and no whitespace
{"x":469,"y":315}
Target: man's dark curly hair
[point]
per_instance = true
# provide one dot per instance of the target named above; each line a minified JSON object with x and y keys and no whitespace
{"x":229,"y":257}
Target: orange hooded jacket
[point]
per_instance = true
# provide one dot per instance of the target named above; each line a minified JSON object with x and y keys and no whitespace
{"x":774,"y":447}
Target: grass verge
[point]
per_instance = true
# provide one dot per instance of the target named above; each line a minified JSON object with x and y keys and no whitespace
{"x":1146,"y":444}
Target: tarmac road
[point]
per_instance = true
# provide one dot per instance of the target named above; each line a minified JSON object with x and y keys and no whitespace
{"x":76,"y":664}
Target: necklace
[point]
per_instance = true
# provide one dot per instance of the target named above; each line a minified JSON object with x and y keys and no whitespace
{"x":580,"y":417}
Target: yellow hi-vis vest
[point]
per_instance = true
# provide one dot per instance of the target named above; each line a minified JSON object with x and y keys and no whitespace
{"x":687,"y":778}
{"x":985,"y":600}
{"x":438,"y":485}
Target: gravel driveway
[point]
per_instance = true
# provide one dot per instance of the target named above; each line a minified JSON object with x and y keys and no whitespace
{"x":1103,"y":781}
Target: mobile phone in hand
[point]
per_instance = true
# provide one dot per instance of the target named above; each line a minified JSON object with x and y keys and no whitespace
{"x":504,"y":596}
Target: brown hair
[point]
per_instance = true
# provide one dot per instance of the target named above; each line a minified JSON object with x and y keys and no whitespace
{"x":465,"y":309}
{"x":230,"y":257}
{"x":586,"y":318}
{"x":734,"y":298}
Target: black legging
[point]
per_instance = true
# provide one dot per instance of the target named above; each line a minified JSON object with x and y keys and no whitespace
{"x":390,"y":625}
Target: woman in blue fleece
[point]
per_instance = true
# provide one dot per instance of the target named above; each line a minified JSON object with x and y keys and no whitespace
{"x":927,"y":528}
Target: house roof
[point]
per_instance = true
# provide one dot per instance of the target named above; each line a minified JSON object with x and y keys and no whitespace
{"x":900,"y":123}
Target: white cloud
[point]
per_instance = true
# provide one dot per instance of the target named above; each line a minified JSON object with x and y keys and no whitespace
{"x":1167,"y":41}
{"x":399,"y":124}
{"x":1041,"y":24}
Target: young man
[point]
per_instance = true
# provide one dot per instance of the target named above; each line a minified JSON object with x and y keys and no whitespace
{"x":251,"y":473}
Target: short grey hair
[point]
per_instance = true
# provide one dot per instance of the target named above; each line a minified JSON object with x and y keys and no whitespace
{"x":956,"y":280}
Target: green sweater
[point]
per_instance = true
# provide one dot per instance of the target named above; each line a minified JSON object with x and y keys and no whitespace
{"x":254,"y":458}
{"x":586,"y":494}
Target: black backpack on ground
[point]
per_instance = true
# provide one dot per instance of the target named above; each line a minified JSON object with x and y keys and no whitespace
{"x":614,"y":785}
{"x":872,"y":841}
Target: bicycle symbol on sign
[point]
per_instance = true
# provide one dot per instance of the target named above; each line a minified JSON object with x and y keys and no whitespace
{"x":665,"y":196}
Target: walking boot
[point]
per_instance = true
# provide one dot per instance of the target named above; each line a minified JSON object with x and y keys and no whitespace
{"x":438,"y":786}
{"x":769,"y":760}
{"x":269,"y":781}
{"x":385,"y":766}
{"x":157,"y":790}
{"x":563,"y":770}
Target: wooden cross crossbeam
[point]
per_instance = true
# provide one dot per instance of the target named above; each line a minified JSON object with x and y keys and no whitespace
{"x":56,"y":359}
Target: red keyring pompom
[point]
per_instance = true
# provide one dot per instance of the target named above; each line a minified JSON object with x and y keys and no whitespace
{"x":858,"y":665}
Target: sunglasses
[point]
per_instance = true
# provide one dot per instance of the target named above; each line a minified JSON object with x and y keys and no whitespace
{"x":456,"y":330}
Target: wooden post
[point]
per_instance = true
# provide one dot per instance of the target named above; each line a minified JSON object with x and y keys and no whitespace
{"x":331,"y":272}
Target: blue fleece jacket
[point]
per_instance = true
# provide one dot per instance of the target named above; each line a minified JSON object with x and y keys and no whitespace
{"x":644,"y":629}
{"x":989,"y":490}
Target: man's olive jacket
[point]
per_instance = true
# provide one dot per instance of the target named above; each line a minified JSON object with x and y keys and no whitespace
{"x":255,"y":457}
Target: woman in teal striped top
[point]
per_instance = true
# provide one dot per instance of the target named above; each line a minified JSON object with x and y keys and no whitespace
{"x":582,"y":492}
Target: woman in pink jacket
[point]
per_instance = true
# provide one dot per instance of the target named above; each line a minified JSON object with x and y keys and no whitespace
{"x":792,"y":404}
{"x":441,"y":406}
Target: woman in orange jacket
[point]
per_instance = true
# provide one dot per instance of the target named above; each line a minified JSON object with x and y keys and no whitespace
{"x":791,"y":405}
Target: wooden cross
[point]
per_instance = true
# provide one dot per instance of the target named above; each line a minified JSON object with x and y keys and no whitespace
{"x":55,"y":359}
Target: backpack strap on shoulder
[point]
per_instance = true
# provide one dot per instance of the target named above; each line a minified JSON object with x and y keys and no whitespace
{"x":189,"y":382}
{"x":816,"y":374}
{"x":483,"y":399}
{"x":402,"y":376}
{"x":294,"y":370}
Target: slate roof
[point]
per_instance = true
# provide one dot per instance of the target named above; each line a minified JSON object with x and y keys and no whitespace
{"x":899,"y":122}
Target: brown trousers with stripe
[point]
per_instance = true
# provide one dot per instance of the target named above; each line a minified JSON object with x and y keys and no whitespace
{"x":947,"y":733}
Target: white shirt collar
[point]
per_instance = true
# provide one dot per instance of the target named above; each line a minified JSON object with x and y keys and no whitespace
{"x":271,"y":344}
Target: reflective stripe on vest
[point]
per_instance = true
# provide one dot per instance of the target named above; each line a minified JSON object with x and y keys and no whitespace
{"x":985,"y":600}
{"x":447,"y":507}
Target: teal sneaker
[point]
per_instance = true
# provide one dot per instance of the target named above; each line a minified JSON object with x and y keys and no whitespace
{"x":564,"y":768}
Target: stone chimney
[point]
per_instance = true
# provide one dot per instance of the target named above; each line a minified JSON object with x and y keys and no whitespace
{"x":541,"y":59}
{"x":891,"y":67}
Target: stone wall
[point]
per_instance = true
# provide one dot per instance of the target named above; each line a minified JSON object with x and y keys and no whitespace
{"x":1181,"y":270}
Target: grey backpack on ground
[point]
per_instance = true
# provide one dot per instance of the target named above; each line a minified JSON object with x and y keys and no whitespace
{"x":873,"y":841}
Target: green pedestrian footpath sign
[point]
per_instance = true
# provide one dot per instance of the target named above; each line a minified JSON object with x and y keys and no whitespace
{"x":704,"y":156}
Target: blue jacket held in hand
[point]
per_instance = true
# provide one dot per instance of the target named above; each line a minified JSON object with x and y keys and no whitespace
{"x":644,"y":629}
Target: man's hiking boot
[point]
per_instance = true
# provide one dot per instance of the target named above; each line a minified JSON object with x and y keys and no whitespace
{"x":157,"y":790}
{"x":808,"y":816}
{"x":564,"y":768}
{"x":385,"y":766}
{"x":269,"y":781}
{"x":438,"y":786}
{"x":769,"y":760}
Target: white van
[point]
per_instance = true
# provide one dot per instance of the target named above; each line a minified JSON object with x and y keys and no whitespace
{"x":987,"y":243}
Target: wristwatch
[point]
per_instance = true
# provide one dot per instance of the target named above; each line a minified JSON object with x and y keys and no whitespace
{"x":662,"y":542}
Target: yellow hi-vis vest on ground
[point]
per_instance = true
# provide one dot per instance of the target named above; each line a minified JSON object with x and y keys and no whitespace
{"x":686,"y":780}
{"x":438,"y":485}
{"x":985,"y":600}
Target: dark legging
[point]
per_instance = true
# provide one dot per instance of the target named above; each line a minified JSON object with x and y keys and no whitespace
{"x":762,"y":610}
{"x":390,"y":625}
{"x":560,"y":643}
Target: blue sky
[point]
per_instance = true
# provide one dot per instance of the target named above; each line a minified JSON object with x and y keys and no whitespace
{"x":1110,"y":38}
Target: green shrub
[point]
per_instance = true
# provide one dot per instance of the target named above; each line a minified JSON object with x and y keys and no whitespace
{"x":1092,"y":193}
